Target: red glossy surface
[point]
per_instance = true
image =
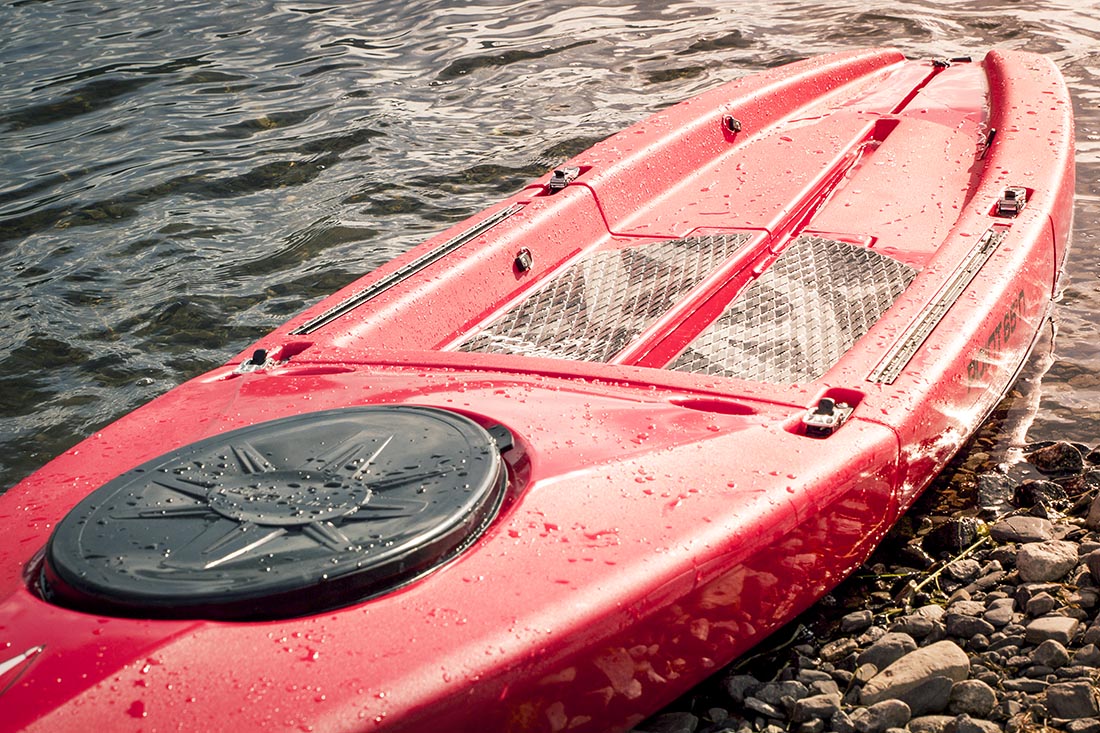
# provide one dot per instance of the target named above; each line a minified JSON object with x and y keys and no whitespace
{"x":659,"y":523}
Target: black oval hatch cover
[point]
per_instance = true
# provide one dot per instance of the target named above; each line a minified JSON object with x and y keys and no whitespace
{"x":284,"y":518}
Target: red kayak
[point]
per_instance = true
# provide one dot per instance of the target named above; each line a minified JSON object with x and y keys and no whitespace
{"x":561,"y":462}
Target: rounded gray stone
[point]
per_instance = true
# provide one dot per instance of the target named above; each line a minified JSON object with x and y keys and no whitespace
{"x":880,"y":716}
{"x":972,"y":697}
{"x":914,"y":625}
{"x":1050,"y":653}
{"x":1059,"y":628}
{"x":1000,"y":612}
{"x":965,"y":627}
{"x":1041,"y":604}
{"x":759,"y":706}
{"x":888,"y":649}
{"x":1039,"y":562}
{"x":1021,"y":528}
{"x":821,"y":707}
{"x":1075,"y":699}
{"x":856,"y":621}
{"x":913,"y":675}
{"x":1088,"y":655}
{"x":965,"y":608}
{"x":740,"y":686}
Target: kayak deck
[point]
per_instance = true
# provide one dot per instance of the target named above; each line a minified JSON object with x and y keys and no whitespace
{"x":716,"y":357}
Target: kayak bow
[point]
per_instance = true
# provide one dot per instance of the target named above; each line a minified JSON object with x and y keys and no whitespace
{"x":554,"y":466}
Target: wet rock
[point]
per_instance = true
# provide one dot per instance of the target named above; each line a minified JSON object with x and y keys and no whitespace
{"x":675,"y":722}
{"x":995,"y":491}
{"x":1021,"y":528}
{"x":1005,"y":555}
{"x":914,"y":556}
{"x":972,"y":697}
{"x":1038,"y":671}
{"x":809,"y":676}
{"x":988,"y":579}
{"x":880,"y":716}
{"x":1007,"y":709}
{"x":1074,"y":671}
{"x":821,"y":707}
{"x":918,"y":678}
{"x":1045,"y":561}
{"x":1050,"y":653}
{"x":957,"y":596}
{"x":1041,"y":493}
{"x":1059,"y":628}
{"x":887,"y":650}
{"x":1076,"y":699}
{"x":1059,"y":457}
{"x":952,"y":536}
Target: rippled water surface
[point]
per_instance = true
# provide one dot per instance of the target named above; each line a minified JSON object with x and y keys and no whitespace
{"x":180,"y":177}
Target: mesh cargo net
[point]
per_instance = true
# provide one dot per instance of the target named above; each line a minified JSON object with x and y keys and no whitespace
{"x":799,"y":317}
{"x":603,"y":302}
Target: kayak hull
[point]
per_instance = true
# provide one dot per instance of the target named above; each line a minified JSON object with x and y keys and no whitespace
{"x":716,"y":357}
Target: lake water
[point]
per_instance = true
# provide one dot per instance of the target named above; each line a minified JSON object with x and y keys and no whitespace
{"x":180,"y":177}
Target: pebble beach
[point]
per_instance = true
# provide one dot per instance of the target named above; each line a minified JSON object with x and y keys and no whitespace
{"x":972,"y":617}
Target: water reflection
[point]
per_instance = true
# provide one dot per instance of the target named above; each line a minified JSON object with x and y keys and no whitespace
{"x":181,"y":179}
